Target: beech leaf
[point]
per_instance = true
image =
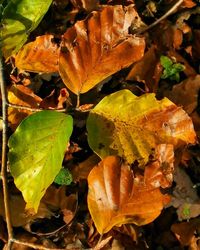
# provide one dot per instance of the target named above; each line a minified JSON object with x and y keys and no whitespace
{"x":116,"y":197}
{"x":99,"y":46}
{"x":130,"y":126}
{"x":38,"y":56}
{"x":21,"y":95}
{"x":19,"y":18}
{"x":36,"y":152}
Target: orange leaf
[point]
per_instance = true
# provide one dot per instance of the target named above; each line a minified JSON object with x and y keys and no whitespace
{"x":21,"y":95}
{"x":99,"y":46}
{"x":39,"y":56}
{"x":116,"y":197}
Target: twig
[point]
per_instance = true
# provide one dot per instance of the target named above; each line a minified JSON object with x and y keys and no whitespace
{"x":33,"y":245}
{"x":32,"y":109}
{"x":4,"y":157}
{"x":168,"y":13}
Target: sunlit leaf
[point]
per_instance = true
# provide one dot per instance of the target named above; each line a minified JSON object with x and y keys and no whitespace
{"x":38,"y":56}
{"x":23,"y":96}
{"x":36,"y":153}
{"x":19,"y":19}
{"x":99,"y":46}
{"x":118,"y":196}
{"x":130,"y":126}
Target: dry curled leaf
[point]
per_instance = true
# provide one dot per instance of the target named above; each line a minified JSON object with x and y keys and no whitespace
{"x":39,"y":56}
{"x":98,"y":47}
{"x":118,"y":197}
{"x":23,"y":96}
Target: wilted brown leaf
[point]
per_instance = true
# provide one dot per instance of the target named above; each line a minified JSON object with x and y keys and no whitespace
{"x":39,"y":56}
{"x":185,"y":231}
{"x":146,"y":70}
{"x":116,"y":197}
{"x":21,"y":95}
{"x":185,"y":94}
{"x":98,"y":47}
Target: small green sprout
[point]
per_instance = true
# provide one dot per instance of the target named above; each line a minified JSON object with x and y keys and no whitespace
{"x":64,"y":177}
{"x":171,"y":69}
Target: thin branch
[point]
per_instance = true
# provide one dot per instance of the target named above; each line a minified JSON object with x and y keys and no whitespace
{"x":32,"y":109}
{"x":168,"y":13}
{"x":4,"y":157}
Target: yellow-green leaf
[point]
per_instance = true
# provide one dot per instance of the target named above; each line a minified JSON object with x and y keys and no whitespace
{"x":36,"y":153}
{"x":130,"y":126}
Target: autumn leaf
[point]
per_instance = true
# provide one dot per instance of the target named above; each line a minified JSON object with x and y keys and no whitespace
{"x":130,"y":126}
{"x":19,"y":19}
{"x":23,"y":96}
{"x":116,"y":197}
{"x":98,"y":47}
{"x":39,"y":56}
{"x":36,"y":152}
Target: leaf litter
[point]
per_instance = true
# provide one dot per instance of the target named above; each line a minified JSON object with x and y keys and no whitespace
{"x":95,"y":48}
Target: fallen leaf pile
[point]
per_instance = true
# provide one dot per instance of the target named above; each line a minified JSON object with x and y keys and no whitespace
{"x":102,"y":124}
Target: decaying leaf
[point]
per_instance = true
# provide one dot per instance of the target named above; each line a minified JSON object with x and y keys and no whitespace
{"x":39,"y":56}
{"x":21,"y":95}
{"x":19,"y":217}
{"x":185,"y":231}
{"x":118,"y":196}
{"x":19,"y":18}
{"x":146,"y":70}
{"x":36,"y":152}
{"x":99,"y":46}
{"x":185,"y":94}
{"x":130,"y":126}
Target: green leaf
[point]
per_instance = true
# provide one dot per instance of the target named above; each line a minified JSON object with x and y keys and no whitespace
{"x":36,"y":151}
{"x":131,"y":127}
{"x":64,"y":177}
{"x":171,"y":70}
{"x":20,"y":17}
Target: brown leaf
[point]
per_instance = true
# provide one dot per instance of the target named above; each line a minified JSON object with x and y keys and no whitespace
{"x":82,"y":170}
{"x":19,"y":216}
{"x":98,"y":47}
{"x":116,"y":197}
{"x":185,"y":231}
{"x":88,"y":5}
{"x":39,"y":56}
{"x":185,"y":94}
{"x":21,"y":95}
{"x":146,"y":70}
{"x":56,"y":100}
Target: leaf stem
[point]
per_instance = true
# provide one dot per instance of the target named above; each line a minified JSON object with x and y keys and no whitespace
{"x":4,"y":157}
{"x":168,"y":13}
